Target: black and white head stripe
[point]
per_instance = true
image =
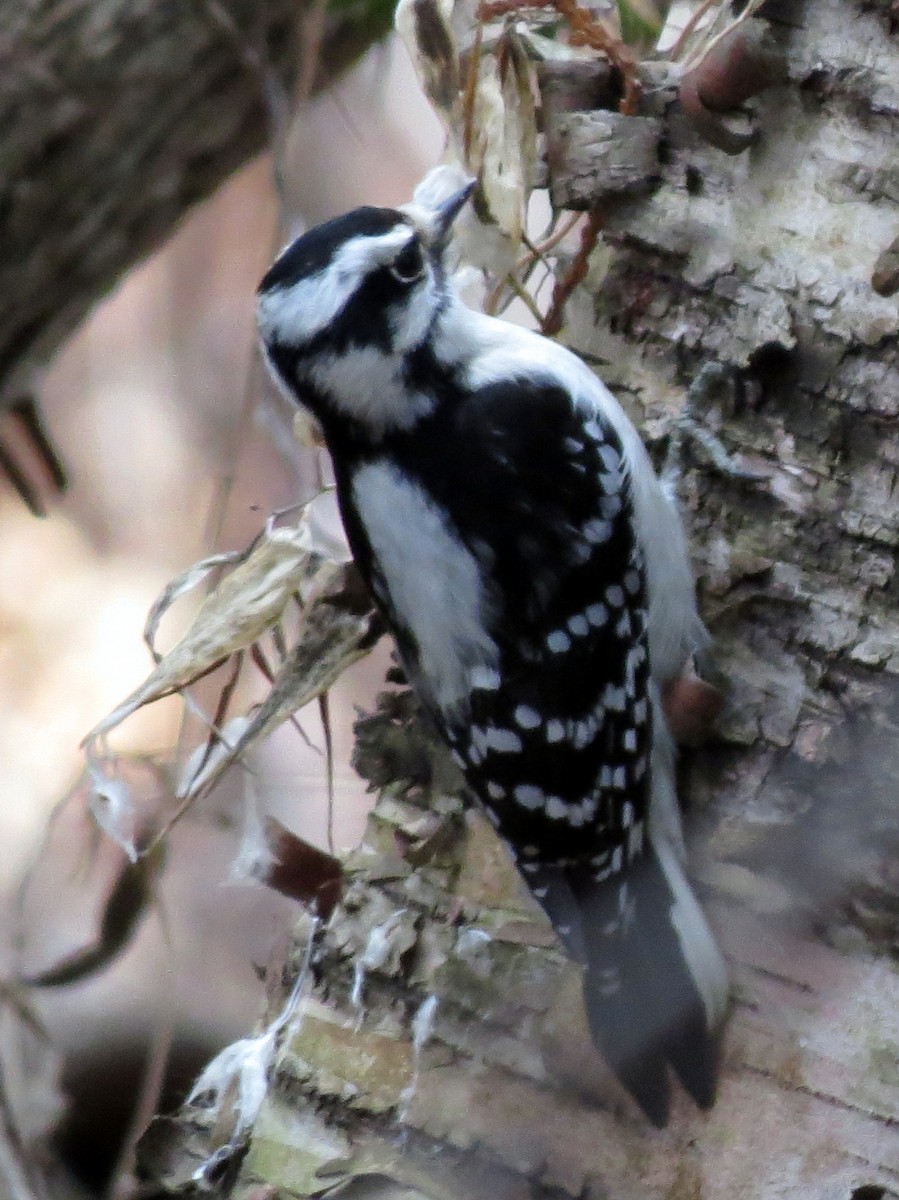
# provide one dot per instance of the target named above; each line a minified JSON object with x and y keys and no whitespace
{"x":314,"y":279}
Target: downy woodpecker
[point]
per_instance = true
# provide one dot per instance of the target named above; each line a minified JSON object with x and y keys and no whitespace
{"x":534,"y":571}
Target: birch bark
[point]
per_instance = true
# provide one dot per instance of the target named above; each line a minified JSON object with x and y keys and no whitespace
{"x":439,"y":1049}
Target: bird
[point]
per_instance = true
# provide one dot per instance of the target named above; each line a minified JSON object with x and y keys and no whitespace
{"x":533,"y":569}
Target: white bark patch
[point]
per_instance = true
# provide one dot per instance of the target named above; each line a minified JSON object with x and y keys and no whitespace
{"x":433,"y":582}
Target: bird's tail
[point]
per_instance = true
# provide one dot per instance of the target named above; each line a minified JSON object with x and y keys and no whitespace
{"x":655,"y":983}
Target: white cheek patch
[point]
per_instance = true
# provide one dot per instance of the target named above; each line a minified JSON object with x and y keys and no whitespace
{"x":293,"y":315}
{"x":365,"y":384}
{"x":433,"y":581}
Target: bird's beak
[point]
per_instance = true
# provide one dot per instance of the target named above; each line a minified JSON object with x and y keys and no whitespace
{"x":446,"y":212}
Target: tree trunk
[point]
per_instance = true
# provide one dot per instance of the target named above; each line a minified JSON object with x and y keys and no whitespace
{"x":438,"y":1048}
{"x":117,"y":116}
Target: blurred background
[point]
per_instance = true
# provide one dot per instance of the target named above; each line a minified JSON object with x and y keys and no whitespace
{"x":173,"y":450}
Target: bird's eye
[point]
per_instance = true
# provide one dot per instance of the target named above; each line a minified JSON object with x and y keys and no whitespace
{"x":409,"y":264}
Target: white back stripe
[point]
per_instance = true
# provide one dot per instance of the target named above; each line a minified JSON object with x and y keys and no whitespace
{"x":433,"y":583}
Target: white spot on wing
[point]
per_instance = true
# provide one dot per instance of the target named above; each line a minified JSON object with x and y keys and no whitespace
{"x":597,"y":614}
{"x":611,"y":459}
{"x":504,"y":741}
{"x":556,"y":809}
{"x":526,"y":717}
{"x":433,"y":582}
{"x":597,"y":531}
{"x":558,"y":641}
{"x":529,"y":796}
{"x":579,"y":625}
{"x":485,"y":679}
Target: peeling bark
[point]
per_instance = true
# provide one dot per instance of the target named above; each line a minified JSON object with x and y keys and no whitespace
{"x":760,"y":263}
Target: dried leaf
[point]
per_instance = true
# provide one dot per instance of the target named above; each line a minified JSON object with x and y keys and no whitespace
{"x":427,"y":33}
{"x":300,"y":870}
{"x":521,"y":116}
{"x":180,"y":586}
{"x":333,"y":637}
{"x":241,"y":608}
{"x":113,"y":805}
{"x":504,"y":140}
{"x":125,"y":907}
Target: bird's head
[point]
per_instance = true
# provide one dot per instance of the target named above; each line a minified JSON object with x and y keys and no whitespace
{"x":344,"y":305}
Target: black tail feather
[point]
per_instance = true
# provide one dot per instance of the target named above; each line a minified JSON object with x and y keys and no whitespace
{"x":646,"y":1008}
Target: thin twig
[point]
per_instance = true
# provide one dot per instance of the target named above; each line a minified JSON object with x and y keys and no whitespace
{"x":470,"y":91}
{"x":18,"y":1175}
{"x":121,"y":1184}
{"x":564,"y":287}
{"x":587,"y":30}
{"x":324,"y":709}
{"x":527,"y":299}
{"x":703,"y":51}
{"x":518,"y":277}
{"x":686,"y":33}
{"x":258,"y":656}
{"x":218,"y":718}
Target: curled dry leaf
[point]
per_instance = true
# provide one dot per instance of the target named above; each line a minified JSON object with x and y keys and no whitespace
{"x":337,"y":626}
{"x":127,"y":903}
{"x":503,"y":148}
{"x":240,"y":609}
{"x":338,"y":630}
{"x":426,"y":31}
{"x":300,"y":870}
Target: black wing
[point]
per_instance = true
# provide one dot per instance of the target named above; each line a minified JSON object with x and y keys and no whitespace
{"x":555,"y":738}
